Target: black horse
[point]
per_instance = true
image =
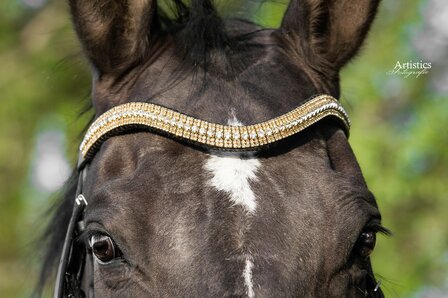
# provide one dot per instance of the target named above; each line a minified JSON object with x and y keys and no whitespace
{"x":182,"y":207}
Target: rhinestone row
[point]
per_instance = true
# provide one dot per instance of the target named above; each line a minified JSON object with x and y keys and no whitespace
{"x":215,"y":135}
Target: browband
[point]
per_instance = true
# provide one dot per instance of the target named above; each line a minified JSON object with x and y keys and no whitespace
{"x":225,"y":137}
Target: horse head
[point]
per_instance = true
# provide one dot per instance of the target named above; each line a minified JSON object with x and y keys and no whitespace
{"x":169,"y":215}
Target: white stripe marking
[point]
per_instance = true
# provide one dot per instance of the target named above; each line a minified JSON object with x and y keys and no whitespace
{"x":232,"y":175}
{"x":247,"y":273}
{"x":233,"y":121}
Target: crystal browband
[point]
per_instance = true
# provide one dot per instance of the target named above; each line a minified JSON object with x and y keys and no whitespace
{"x":213,"y":135}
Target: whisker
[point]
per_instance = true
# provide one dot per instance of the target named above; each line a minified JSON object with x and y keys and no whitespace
{"x":378,"y":284}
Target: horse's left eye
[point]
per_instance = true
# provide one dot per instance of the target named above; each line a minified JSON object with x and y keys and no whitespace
{"x":103,"y":248}
{"x":366,"y":243}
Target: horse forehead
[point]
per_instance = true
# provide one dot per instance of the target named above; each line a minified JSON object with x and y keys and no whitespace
{"x":161,"y":174}
{"x":145,"y":158}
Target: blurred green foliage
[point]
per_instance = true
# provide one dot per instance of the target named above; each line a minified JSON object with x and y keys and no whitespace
{"x":399,"y":136}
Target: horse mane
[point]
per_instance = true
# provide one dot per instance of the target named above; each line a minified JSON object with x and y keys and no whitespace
{"x":53,"y":237}
{"x":201,"y":28}
{"x":201,"y":31}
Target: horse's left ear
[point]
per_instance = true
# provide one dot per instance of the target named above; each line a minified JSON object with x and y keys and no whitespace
{"x":333,"y":29}
{"x":114,"y":33}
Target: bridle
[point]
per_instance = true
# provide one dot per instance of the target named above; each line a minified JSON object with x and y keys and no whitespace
{"x":76,"y":262}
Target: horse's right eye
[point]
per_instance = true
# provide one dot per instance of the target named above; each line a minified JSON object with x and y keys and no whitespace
{"x":367,"y":239}
{"x":103,"y":248}
{"x":366,"y":243}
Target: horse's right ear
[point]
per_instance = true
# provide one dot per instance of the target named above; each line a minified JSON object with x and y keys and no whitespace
{"x":332,"y":29}
{"x":114,"y":33}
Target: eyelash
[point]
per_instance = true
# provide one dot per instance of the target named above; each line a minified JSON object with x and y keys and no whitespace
{"x":378,"y":228}
{"x":85,"y":236}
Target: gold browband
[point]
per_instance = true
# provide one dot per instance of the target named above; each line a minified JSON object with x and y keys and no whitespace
{"x":212,"y":135}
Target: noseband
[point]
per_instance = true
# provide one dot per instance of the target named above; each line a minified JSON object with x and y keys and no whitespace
{"x":76,"y":262}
